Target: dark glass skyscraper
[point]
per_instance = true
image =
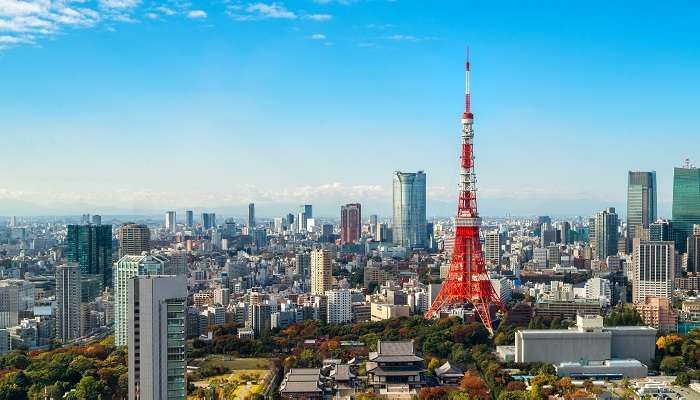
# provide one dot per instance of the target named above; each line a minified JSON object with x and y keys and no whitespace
{"x":91,"y":247}
{"x":641,"y":201}
{"x":686,"y":204}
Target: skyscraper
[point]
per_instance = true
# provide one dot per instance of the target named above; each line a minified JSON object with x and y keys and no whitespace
{"x":409,"y":209}
{"x":68,"y":299}
{"x":641,"y":201}
{"x":320,"y":271}
{"x":654,"y":269}
{"x":126,"y":268}
{"x":134,"y":239}
{"x":170,"y":221}
{"x":350,"y":222}
{"x":661,"y":231}
{"x":157,"y":306}
{"x":16,"y":297}
{"x":605,"y":233}
{"x":189,"y":218}
{"x":208,"y":220}
{"x":97,"y":219}
{"x":91,"y":247}
{"x":251,"y":215}
{"x":694,"y":250}
{"x":307,"y":209}
{"x":686,"y":203}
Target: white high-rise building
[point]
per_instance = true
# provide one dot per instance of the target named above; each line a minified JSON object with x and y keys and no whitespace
{"x":170,"y":221}
{"x":157,"y":314}
{"x":599,"y":289}
{"x":126,"y":268}
{"x":320,"y":271}
{"x":68,"y":298}
{"x":492,"y":248}
{"x":409,"y":223}
{"x":339,"y":306}
{"x":654,"y":269}
{"x":16,"y":296}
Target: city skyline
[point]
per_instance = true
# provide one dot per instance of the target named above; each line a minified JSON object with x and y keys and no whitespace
{"x":385,"y":73}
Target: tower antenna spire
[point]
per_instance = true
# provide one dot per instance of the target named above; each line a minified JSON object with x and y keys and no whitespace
{"x":467,"y":96}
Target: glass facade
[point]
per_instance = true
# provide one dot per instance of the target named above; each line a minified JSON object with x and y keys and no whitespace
{"x":641,"y":201}
{"x":176,"y":348}
{"x":409,"y":228}
{"x":91,"y":247}
{"x":686,"y":205}
{"x":605,"y":234}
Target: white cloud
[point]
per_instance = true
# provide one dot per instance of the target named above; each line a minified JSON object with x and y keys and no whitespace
{"x":317,"y":36}
{"x":151,"y":15}
{"x":260,"y":11}
{"x":197,"y":14}
{"x":402,"y":38}
{"x":119,"y":4}
{"x":319,"y":17}
{"x":166,"y":10}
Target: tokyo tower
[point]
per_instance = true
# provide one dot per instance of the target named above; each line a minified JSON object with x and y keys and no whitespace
{"x":467,"y":281}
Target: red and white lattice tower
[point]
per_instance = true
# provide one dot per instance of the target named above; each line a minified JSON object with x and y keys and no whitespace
{"x":467,"y":281}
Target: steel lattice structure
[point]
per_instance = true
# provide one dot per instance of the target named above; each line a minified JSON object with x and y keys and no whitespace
{"x":467,"y":281}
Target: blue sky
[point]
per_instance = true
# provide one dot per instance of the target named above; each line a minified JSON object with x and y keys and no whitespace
{"x":138,"y":106}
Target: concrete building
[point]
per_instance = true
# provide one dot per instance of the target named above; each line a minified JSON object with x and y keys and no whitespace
{"x":382,"y":311}
{"x":605,"y":234}
{"x":157,"y":313}
{"x":599,"y":289}
{"x":350,"y":223}
{"x":16,"y":298}
{"x":492,"y":248}
{"x":5,"y":342}
{"x":654,"y":271}
{"x":567,"y":309}
{"x":134,"y":239}
{"x":68,"y":299}
{"x":126,"y":268}
{"x":588,"y":341}
{"x":321,"y":273}
{"x":608,"y":369}
{"x":659,"y":313}
{"x":339,"y":306}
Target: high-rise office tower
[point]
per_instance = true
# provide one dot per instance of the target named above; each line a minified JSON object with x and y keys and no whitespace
{"x":654,"y":269}
{"x":350,"y":223}
{"x":320,"y":271}
{"x":373,"y":219}
{"x":409,"y":209}
{"x":170,"y":221}
{"x":91,"y":247}
{"x":694,"y":250}
{"x":302,"y":263}
{"x":13,"y":221}
{"x":641,"y":202}
{"x":85,"y":219}
{"x":208,"y":220}
{"x":16,"y":298}
{"x":492,"y":247}
{"x":661,"y":231}
{"x":189,"y":218}
{"x":97,"y":219}
{"x":338,"y":306}
{"x":134,"y":239}
{"x":260,"y":318}
{"x":68,"y":299}
{"x":157,"y":311}
{"x":251,"y":215}
{"x":564,"y":232}
{"x":686,"y":203}
{"x":307,"y":209}
{"x":606,"y":235}
{"x":126,"y":268}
